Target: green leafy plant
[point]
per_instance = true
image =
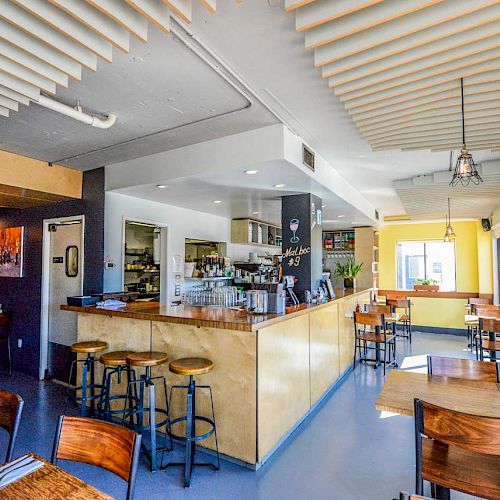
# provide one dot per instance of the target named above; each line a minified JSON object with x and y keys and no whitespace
{"x":347,"y":271}
{"x":420,"y":281}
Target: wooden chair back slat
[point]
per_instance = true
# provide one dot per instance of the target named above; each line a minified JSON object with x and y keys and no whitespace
{"x":396,"y":295}
{"x":480,"y":300}
{"x":369,"y":319}
{"x":98,"y":443}
{"x":11,"y":407}
{"x":471,"y":432}
{"x":463,"y":368}
{"x":489,"y":325}
{"x":485,"y":310}
{"x":399,"y":303}
{"x":380,"y":309}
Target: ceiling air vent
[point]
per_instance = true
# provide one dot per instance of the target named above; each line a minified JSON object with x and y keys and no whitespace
{"x":377,"y":215}
{"x":307,"y":157}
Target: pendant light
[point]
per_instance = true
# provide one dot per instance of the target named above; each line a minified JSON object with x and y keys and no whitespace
{"x":449,"y":234}
{"x":465,"y":170}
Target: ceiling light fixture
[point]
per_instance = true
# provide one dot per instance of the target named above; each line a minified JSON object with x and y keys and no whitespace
{"x":449,"y":234}
{"x":255,"y":213}
{"x":340,"y":216}
{"x":161,"y":186}
{"x":251,"y":172}
{"x":279,"y":185}
{"x":465,"y":170}
{"x":217,"y":202}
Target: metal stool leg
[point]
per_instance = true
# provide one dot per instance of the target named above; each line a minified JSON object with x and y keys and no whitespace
{"x":9,"y":354}
{"x":68,"y":389}
{"x":215,"y":429}
{"x":83,"y":407}
{"x":189,"y":434}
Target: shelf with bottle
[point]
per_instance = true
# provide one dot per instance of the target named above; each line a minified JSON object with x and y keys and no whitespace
{"x":339,"y":240}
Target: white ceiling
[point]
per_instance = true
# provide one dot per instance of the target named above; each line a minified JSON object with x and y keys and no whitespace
{"x":162,"y":85}
{"x":242,"y":195}
{"x":396,"y":63}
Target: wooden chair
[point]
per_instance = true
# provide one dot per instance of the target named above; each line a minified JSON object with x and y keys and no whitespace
{"x":405,"y":319}
{"x":11,"y":408}
{"x":370,"y":328}
{"x":456,"y":451}
{"x":396,"y":295}
{"x":489,"y":328}
{"x":103,"y":444}
{"x":463,"y":368}
{"x":483,"y":312}
{"x":5,"y":334}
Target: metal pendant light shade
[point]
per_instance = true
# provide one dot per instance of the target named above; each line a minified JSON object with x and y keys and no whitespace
{"x":465,"y":169}
{"x":449,"y":234}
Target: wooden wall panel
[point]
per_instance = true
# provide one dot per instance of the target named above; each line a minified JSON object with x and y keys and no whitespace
{"x":324,"y":350}
{"x":283,"y":380}
{"x":23,"y":172}
{"x":233,"y":382}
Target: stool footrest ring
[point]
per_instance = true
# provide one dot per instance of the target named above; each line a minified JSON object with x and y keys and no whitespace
{"x":193,"y":438}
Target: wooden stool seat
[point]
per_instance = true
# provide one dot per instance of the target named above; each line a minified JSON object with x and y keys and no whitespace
{"x":90,"y":346}
{"x":191,"y":366}
{"x":115,"y":358}
{"x":375,"y":337}
{"x":147,"y":358}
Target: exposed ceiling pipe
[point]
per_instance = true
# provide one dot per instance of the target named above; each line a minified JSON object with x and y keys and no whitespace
{"x":77,"y":113}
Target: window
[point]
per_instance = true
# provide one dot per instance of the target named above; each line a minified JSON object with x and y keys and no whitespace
{"x":426,"y":260}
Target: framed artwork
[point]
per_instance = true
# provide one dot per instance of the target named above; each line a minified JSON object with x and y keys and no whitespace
{"x":11,"y":252}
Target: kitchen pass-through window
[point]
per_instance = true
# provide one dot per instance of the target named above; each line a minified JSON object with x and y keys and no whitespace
{"x":426,"y":260}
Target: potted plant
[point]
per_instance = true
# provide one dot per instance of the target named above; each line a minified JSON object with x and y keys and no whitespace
{"x":429,"y":285}
{"x":348,"y":271}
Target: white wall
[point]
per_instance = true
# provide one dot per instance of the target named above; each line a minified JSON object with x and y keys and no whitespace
{"x":182,"y":223}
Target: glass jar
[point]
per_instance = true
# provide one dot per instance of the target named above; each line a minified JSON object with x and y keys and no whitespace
{"x":257,"y":301}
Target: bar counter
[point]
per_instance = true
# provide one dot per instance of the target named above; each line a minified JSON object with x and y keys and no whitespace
{"x":269,"y":372}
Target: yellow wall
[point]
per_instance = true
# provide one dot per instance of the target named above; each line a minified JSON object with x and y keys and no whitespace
{"x":473,"y":267}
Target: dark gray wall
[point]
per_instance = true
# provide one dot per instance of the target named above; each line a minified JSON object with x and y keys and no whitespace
{"x":22,"y":296}
{"x":304,"y":260}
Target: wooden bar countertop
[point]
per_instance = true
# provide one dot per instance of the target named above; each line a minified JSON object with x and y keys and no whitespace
{"x":212,"y":317}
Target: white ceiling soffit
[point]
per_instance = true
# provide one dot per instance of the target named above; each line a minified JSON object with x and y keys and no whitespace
{"x":44,"y":43}
{"x":471,"y":201}
{"x":396,"y":67}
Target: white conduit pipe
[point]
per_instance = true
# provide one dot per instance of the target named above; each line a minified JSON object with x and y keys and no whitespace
{"x":77,"y":114}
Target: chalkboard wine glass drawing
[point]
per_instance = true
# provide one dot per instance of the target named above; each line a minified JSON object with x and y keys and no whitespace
{"x":294,"y":226}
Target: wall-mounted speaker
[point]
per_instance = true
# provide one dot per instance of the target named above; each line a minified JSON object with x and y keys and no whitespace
{"x":486,"y":224}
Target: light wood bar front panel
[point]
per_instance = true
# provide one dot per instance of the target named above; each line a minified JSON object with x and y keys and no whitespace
{"x":233,"y":381}
{"x":324,"y":350}
{"x":283,"y":380}
{"x":346,"y":330}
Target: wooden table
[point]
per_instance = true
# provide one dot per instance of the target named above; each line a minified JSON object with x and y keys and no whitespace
{"x":469,"y":396}
{"x":50,"y":483}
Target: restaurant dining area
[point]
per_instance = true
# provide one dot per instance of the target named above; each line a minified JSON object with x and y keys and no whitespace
{"x":249,"y":250}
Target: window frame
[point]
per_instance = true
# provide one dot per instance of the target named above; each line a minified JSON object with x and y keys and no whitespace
{"x":429,"y":240}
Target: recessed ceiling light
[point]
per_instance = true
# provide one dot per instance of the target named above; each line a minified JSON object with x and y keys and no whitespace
{"x":251,"y":172}
{"x":279,"y":185}
{"x":340,"y":216}
{"x":255,"y":213}
{"x":161,"y":186}
{"x":217,"y":202}
{"x":362,"y":156}
{"x":324,"y":205}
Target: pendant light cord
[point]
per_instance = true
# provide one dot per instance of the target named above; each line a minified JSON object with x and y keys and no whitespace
{"x":463,"y":112}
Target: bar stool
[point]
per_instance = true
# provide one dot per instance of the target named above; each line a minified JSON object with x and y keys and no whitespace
{"x":192,"y":367}
{"x":115,"y":363}
{"x":89,"y":348}
{"x":146,"y":360}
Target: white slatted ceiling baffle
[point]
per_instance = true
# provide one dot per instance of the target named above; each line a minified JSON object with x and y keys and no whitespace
{"x":45,"y":42}
{"x":396,"y":67}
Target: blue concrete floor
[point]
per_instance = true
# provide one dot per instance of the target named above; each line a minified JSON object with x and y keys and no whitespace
{"x":345,"y":451}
